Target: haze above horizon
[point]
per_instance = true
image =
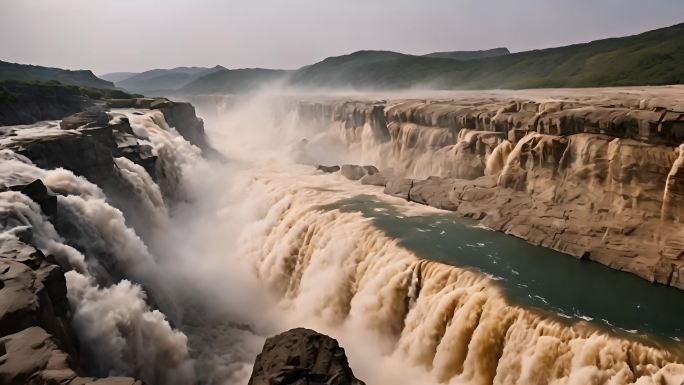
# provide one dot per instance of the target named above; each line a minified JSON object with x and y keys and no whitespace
{"x":276,"y":34}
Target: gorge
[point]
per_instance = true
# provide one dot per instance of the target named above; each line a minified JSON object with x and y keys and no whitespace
{"x":136,"y":245}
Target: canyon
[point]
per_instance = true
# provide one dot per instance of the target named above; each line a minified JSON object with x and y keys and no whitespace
{"x":593,"y":176}
{"x":430,"y":233}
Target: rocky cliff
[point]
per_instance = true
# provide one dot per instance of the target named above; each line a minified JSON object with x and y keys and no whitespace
{"x":46,"y":173}
{"x":594,"y":174}
{"x":24,"y":102}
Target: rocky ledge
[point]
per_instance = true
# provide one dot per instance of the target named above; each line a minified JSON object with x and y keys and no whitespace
{"x":302,"y":357}
{"x":596,"y":175}
{"x":37,"y":343}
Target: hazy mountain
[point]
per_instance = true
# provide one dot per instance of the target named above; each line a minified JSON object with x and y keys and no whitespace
{"x":117,"y":76}
{"x":233,"y":81}
{"x":164,"y":79}
{"x":26,"y":72}
{"x":469,"y":55}
{"x":650,"y":58}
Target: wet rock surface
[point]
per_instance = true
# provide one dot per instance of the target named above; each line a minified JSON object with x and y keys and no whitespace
{"x":355,"y":172}
{"x":596,"y":175}
{"x":37,"y":343}
{"x":302,"y":356}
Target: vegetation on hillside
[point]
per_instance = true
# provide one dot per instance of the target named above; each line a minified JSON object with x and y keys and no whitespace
{"x":233,"y":81}
{"x":651,"y":58}
{"x":13,"y":90}
{"x":25,"y":72}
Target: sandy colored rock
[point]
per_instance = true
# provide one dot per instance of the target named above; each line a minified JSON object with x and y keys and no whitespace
{"x":593,"y":173}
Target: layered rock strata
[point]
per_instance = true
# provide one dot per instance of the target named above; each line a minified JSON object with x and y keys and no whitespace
{"x":37,"y":342}
{"x":595,"y":177}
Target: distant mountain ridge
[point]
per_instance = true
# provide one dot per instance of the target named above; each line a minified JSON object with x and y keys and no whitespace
{"x":117,"y":76}
{"x":470,"y":55}
{"x":233,"y":81}
{"x":161,"y":80}
{"x":650,"y":58}
{"x":28,"y":72}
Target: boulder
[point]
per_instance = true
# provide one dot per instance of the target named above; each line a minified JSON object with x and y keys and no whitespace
{"x":302,"y":357}
{"x":40,"y":194}
{"x":355,"y":172}
{"x":328,"y":169}
{"x":399,"y":187}
{"x":374,"y":179}
{"x":86,"y":119}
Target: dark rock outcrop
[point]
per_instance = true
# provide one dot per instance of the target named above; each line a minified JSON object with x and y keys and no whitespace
{"x":302,"y":357}
{"x":182,"y":117}
{"x":328,"y":169}
{"x":25,"y":103}
{"x":37,"y":345}
{"x":40,"y":194}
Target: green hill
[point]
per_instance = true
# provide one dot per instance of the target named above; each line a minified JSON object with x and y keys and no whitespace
{"x":470,"y":55}
{"x":650,"y":58}
{"x":159,"y":80}
{"x":27,"y":73}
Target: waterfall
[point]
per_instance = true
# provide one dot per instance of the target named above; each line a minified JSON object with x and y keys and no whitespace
{"x":115,"y":322}
{"x":175,"y":154}
{"x":147,"y":190}
{"x":240,"y":250}
{"x":334,"y":270}
{"x":418,"y":151}
{"x":120,"y":333}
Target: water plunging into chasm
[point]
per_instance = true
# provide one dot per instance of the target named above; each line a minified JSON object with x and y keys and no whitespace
{"x":225,"y":252}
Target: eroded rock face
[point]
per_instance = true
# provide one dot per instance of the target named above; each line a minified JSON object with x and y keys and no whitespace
{"x":37,"y":344}
{"x":302,"y":356}
{"x":32,"y":356}
{"x":597,"y":177}
{"x":31,"y":103}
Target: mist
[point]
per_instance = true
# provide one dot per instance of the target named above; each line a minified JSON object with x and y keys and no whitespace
{"x":249,"y":253}
{"x":231,"y":247}
{"x":288,"y":35}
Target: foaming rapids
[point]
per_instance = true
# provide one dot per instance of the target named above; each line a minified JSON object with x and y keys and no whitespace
{"x":147,"y":190}
{"x":174,"y":152}
{"x":240,"y":250}
{"x":335,"y":271}
{"x":119,"y":331}
{"x":382,"y":136}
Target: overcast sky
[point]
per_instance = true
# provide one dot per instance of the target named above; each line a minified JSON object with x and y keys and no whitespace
{"x":135,"y":35}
